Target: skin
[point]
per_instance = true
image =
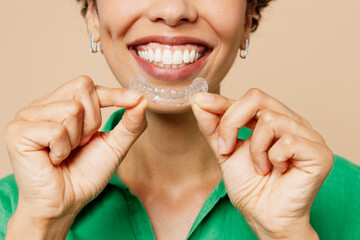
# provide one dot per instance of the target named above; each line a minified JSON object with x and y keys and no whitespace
{"x":283,"y":163}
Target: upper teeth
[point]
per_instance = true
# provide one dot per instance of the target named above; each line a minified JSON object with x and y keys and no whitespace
{"x":169,"y":56}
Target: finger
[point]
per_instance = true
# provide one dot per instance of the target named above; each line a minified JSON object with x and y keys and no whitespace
{"x":270,"y":127}
{"x":120,"y":97}
{"x":245,"y":110}
{"x":208,"y":109}
{"x":67,"y":91}
{"x":104,"y":97}
{"x":213,"y":103}
{"x":306,"y":155}
{"x":92,"y":114}
{"x":108,"y":97}
{"x":35,"y":136}
{"x":217,"y":104}
{"x":131,"y":126}
{"x":207,"y":123}
{"x":83,"y":90}
{"x":68,"y":113}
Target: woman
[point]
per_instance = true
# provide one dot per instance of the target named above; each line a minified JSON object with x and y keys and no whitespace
{"x":165,"y":171}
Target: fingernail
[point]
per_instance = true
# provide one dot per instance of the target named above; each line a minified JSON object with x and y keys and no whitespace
{"x":259,"y":170}
{"x":221,"y":146}
{"x":83,"y":141}
{"x":132,"y":94}
{"x":204,"y":98}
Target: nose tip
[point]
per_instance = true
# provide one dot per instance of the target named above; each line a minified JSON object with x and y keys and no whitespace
{"x":172,"y":12}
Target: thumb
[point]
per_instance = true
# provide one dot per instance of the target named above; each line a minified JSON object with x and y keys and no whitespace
{"x":207,"y":121}
{"x":131,"y":126}
{"x":239,"y":164}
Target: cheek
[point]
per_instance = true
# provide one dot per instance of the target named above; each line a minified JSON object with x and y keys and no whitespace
{"x":117,"y":16}
{"x":227,"y":18}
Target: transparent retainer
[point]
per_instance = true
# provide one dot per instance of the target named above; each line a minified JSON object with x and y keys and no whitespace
{"x":165,"y":96}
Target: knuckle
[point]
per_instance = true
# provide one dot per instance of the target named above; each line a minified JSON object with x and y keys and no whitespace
{"x":267,"y":116}
{"x":288,"y":140}
{"x":75,"y":108}
{"x":114,"y":145}
{"x":85,"y":82}
{"x":321,"y":138}
{"x":306,"y":122}
{"x":130,"y":130}
{"x":58,"y":132}
{"x":255,"y":93}
{"x":21,"y":113}
{"x":36,"y":102}
{"x":11,"y":128}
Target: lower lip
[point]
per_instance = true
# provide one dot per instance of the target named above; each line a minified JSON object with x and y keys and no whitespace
{"x":171,"y":74}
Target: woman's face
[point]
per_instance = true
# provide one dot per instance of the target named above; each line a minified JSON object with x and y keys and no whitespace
{"x":170,"y":42}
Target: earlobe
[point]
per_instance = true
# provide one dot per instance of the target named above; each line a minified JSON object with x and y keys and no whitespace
{"x":243,"y":53}
{"x":92,"y":21}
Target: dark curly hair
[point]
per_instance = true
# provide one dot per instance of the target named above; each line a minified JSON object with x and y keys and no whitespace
{"x":260,"y":4}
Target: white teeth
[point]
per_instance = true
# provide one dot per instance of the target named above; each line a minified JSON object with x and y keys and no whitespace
{"x":186,"y":56}
{"x":192,"y":56}
{"x":178,"y":57}
{"x":151,"y":55}
{"x":143,"y":54}
{"x":170,"y":56}
{"x":157,"y":56}
{"x":167,"y":57}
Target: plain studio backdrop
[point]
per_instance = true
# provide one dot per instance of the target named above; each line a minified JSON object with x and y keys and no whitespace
{"x":305,"y":53}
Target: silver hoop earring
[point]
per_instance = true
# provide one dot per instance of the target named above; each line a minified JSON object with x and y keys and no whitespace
{"x":94,"y":46}
{"x":244,"y":53}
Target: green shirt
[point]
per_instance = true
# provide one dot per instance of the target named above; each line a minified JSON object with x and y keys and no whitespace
{"x":118,"y":214}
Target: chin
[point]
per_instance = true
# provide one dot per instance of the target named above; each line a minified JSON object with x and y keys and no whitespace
{"x":168,"y":109}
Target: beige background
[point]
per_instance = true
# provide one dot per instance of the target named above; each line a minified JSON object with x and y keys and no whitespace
{"x":306,"y":54}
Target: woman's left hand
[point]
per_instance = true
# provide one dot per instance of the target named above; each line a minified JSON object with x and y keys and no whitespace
{"x":272,"y":177}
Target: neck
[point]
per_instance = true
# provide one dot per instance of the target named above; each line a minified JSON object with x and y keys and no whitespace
{"x":171,"y":150}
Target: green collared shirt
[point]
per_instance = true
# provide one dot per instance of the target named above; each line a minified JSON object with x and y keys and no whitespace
{"x":118,"y":214}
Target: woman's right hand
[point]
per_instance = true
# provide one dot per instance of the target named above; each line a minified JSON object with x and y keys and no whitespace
{"x":60,"y":159}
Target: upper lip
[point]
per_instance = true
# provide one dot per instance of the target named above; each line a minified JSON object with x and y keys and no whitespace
{"x":170,"y":40}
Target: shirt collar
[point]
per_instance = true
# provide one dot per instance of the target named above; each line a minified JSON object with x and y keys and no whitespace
{"x":116,"y":181}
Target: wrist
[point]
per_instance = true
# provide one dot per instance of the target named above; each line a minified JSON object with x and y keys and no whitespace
{"x":297,"y":229}
{"x":25,"y":226}
{"x":297,"y":233}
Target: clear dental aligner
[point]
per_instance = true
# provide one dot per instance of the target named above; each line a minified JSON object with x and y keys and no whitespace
{"x":165,"y":96}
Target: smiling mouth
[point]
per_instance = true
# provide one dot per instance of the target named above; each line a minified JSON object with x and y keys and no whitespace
{"x":170,"y":56}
